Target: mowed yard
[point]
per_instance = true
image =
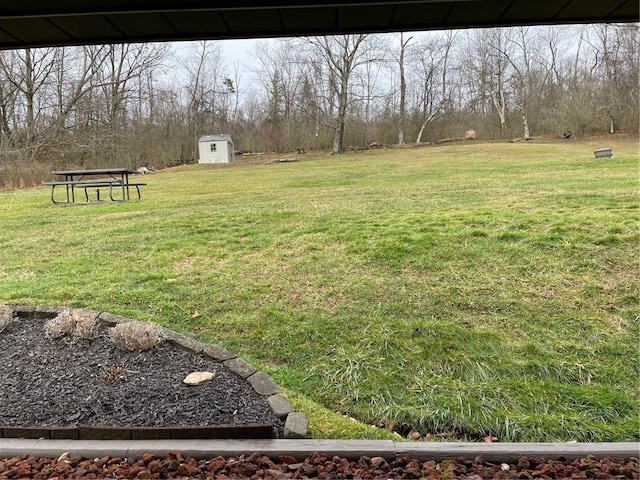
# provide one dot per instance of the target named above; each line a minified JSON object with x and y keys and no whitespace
{"x":462,"y":291}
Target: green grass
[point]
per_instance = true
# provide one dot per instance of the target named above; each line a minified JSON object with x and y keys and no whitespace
{"x":467,"y":289}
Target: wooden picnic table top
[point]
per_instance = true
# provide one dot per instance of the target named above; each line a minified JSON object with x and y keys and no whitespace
{"x":96,"y":171}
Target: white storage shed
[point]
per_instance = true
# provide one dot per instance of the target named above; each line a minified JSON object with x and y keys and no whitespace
{"x":215,"y":149}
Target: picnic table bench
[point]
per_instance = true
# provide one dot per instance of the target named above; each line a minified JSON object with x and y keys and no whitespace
{"x":104,"y":177}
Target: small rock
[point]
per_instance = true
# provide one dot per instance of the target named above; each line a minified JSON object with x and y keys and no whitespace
{"x":196,"y":378}
{"x":275,"y":473}
{"x":154,"y":466}
{"x":81,"y":472}
{"x":216,"y":464}
{"x":23,"y":472}
{"x":188,"y":470}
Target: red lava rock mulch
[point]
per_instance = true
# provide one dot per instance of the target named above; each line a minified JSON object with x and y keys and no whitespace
{"x":319,"y":466}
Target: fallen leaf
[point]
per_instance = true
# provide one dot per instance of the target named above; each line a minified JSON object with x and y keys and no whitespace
{"x":489,"y":439}
{"x":194,"y":314}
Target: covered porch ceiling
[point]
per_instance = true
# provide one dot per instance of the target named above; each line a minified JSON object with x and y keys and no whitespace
{"x":73,"y":22}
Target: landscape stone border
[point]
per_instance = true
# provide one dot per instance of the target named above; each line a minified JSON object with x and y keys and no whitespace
{"x":295,"y":423}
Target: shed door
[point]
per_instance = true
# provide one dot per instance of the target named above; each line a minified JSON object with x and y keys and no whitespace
{"x":213,"y":152}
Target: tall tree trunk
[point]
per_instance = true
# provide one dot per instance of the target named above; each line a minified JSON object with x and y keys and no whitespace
{"x":426,"y":122}
{"x":343,"y":54}
{"x":403,"y":90}
{"x":525,"y":122}
{"x":501,"y":107}
{"x":338,"y":136}
{"x":29,"y":93}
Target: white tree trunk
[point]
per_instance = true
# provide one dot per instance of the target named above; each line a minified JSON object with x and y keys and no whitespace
{"x":426,"y":122}
{"x":525,"y":123}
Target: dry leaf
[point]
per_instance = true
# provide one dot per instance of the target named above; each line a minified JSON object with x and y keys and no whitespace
{"x":489,"y":439}
{"x":194,"y":314}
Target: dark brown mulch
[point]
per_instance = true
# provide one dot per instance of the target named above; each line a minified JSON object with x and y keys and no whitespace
{"x":256,"y":466}
{"x":67,"y":382}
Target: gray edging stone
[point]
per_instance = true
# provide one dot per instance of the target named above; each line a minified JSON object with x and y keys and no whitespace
{"x":46,"y":312}
{"x":262,"y":384}
{"x":239,"y":367}
{"x":281,"y":406}
{"x":295,"y":426}
{"x":185,"y":343}
{"x":23,"y":311}
{"x":260,"y":381}
{"x":216,"y":353}
{"x":111,"y":320}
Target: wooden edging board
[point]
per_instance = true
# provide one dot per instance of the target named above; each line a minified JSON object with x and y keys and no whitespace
{"x":302,"y":448}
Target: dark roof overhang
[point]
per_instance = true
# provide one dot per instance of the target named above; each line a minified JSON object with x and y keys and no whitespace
{"x":75,"y":22}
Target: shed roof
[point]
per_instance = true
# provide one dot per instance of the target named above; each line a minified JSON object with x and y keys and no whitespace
{"x":221,"y":137}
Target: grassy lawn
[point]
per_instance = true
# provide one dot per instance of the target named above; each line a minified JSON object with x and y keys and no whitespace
{"x":464,"y":290}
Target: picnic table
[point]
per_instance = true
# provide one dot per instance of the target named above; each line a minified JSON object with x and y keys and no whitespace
{"x":116,"y":179}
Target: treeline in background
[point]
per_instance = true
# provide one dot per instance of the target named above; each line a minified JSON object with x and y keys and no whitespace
{"x":147,"y":104}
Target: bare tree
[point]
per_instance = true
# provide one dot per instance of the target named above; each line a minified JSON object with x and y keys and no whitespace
{"x":487,"y":70}
{"x":434,"y":77}
{"x":528,"y":80}
{"x":208,"y":88}
{"x":342,"y":55}
{"x":616,"y":65}
{"x":404,"y":45}
{"x":8,"y":98}
{"x":281,"y":76}
{"x":29,"y":72}
{"x":117,"y":77}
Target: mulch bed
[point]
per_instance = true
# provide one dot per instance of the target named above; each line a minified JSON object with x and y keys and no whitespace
{"x":71,"y":382}
{"x":256,"y":466}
